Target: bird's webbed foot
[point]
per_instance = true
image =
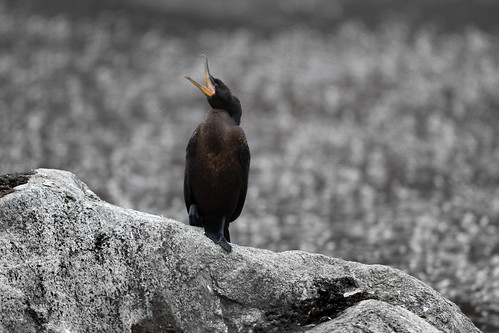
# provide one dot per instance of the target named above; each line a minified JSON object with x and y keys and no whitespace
{"x":218,"y":237}
{"x":194,"y":217}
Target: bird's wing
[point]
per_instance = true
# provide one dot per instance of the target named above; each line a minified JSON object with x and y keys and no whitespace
{"x":244,"y":159}
{"x":190,"y":152}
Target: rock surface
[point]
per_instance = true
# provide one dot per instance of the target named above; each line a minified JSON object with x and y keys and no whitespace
{"x":70,"y":262}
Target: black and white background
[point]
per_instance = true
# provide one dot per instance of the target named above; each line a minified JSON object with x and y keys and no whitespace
{"x":373,"y":125}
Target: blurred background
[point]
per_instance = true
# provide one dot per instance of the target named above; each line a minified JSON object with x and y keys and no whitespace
{"x":373,"y":124}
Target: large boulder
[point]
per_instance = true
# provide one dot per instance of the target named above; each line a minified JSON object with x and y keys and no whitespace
{"x":70,"y":262}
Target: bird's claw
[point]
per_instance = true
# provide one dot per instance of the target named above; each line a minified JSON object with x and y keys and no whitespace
{"x":224,"y":244}
{"x":219,"y":239}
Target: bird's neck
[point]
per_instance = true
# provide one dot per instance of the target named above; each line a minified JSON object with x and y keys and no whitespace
{"x":223,"y":116}
{"x":235,"y":113}
{"x":231,"y":105}
{"x":215,"y":128}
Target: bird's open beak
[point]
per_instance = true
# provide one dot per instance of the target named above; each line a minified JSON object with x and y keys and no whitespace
{"x":209,"y":90}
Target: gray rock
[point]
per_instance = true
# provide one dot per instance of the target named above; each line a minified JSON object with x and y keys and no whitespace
{"x":70,"y":262}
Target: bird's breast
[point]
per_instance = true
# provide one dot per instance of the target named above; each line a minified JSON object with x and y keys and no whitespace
{"x":216,"y":160}
{"x":219,"y":156}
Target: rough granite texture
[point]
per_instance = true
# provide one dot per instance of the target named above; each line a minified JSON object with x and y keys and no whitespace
{"x":70,"y":262}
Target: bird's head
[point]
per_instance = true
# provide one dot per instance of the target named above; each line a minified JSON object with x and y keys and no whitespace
{"x":218,"y":94}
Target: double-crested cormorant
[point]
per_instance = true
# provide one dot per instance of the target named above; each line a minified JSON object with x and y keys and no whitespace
{"x":216,"y":164}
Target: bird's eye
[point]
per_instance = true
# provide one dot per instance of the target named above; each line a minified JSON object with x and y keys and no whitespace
{"x":213,"y":81}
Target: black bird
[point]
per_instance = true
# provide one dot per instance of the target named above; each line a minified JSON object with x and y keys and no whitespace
{"x":216,"y":164}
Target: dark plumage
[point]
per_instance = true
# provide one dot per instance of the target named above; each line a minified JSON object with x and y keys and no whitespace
{"x":217,"y":164}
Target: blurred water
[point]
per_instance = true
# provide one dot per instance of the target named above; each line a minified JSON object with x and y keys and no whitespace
{"x":377,"y":145}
